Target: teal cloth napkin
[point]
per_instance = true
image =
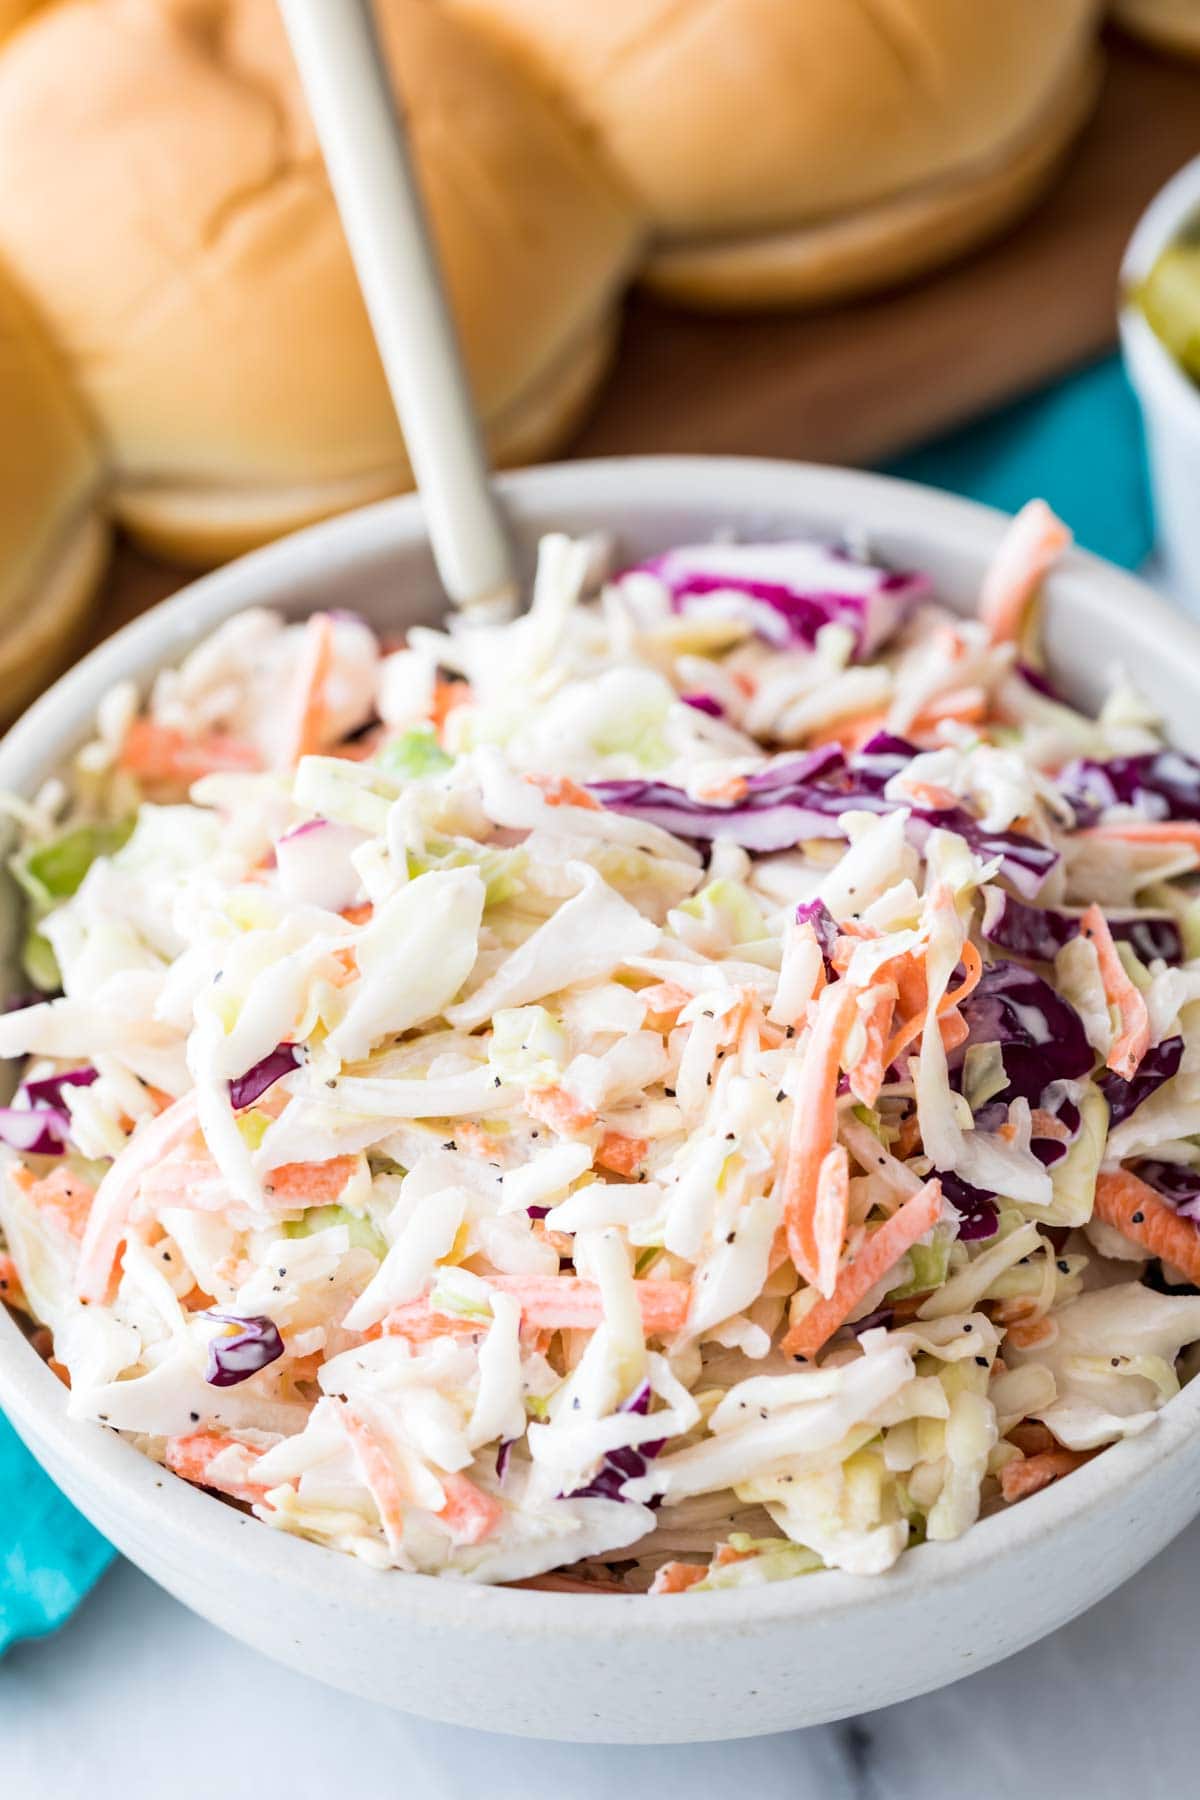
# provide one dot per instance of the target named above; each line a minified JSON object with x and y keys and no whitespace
{"x":1079,"y":444}
{"x":49,"y":1555}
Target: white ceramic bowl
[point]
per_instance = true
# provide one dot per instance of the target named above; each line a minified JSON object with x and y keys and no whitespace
{"x":1169,"y":399}
{"x":617,"y":1669}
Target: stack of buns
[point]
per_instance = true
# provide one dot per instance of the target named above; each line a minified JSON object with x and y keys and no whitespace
{"x":1172,"y":25}
{"x":187,"y":304}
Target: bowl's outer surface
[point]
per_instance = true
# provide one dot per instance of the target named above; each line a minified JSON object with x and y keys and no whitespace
{"x":1169,"y":398}
{"x":617,"y":1669}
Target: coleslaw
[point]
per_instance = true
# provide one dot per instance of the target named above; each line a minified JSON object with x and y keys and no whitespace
{"x":689,"y":1087}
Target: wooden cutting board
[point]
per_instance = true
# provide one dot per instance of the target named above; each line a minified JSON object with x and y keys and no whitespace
{"x":859,"y":383}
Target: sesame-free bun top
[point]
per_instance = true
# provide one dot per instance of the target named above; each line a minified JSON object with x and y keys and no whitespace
{"x":764,"y":118}
{"x":53,"y":541}
{"x":164,"y":203}
{"x":1167,"y":24}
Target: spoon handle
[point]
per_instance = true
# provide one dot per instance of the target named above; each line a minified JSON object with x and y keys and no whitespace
{"x":361,"y":129}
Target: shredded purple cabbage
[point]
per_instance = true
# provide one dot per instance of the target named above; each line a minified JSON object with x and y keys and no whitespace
{"x":624,"y":1464}
{"x":979,"y":1215}
{"x":1040,"y":932}
{"x":1158,"y":1065}
{"x":245,"y":1089}
{"x":234,"y":1358}
{"x":789,"y":605}
{"x":803,"y":797}
{"x":1178,"y":1183}
{"x":503,"y":1452}
{"x":1040,"y":1034}
{"x":44,"y":1126}
{"x":48,"y":1091}
{"x":704,"y":703}
{"x":1038,"y":680}
{"x":35,"y":1131}
{"x":1161,"y":784}
{"x":883,"y":1315}
{"x":818,"y":915}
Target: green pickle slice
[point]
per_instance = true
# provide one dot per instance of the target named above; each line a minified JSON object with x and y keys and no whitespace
{"x":1169,"y":298}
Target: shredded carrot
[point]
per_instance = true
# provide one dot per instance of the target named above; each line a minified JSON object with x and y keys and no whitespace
{"x":65,"y":1198}
{"x":1031,"y":545}
{"x":560,"y":790}
{"x":726,"y":792}
{"x":677,"y":1577}
{"x":475,"y":1139}
{"x":966,"y":706}
{"x":547,"y":1302}
{"x":1133,"y":1208}
{"x":346,"y":966}
{"x":909,"y":1135}
{"x":724,"y":1554}
{"x":191,"y":1456}
{"x":936,"y":799}
{"x":311,"y":1183}
{"x":1156,"y":831}
{"x":159,"y":753}
{"x":11,"y":1291}
{"x":866,"y":1077}
{"x":623,"y":1155}
{"x":881,"y":1252}
{"x":359,"y":749}
{"x":957,"y":1031}
{"x":1032,"y":1437}
{"x":561,"y":1301}
{"x":1017,"y":1479}
{"x":471,"y":1514}
{"x":664,"y":1002}
{"x":1028,"y":1334}
{"x":831,"y":1213}
{"x":446,"y":696}
{"x":415,"y":1321}
{"x":567,"y":1302}
{"x":378,"y":1473}
{"x":555,"y":1107}
{"x":1133,"y":1040}
{"x":307,"y":725}
{"x":153,"y":1140}
{"x":849,"y":734}
{"x":814,"y":1123}
{"x":1044,"y":1125}
{"x":358,"y":915}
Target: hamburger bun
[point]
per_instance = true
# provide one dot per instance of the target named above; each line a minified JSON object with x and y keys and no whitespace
{"x":800,"y":150}
{"x":1167,"y":24}
{"x":53,"y":538}
{"x":165,"y":204}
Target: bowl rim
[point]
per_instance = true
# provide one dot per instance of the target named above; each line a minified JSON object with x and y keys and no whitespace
{"x":1153,"y":370}
{"x":155,"y":1501}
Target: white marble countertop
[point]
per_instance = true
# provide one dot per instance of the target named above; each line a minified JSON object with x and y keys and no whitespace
{"x":136,"y":1699}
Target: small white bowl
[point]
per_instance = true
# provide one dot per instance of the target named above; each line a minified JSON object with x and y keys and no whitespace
{"x":1169,"y":399}
{"x":628,"y":1668}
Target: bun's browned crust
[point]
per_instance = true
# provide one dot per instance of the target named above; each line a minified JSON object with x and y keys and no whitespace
{"x":53,"y":541}
{"x":890,"y":242}
{"x":793,"y":150}
{"x":1172,"y":25}
{"x":164,"y":203}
